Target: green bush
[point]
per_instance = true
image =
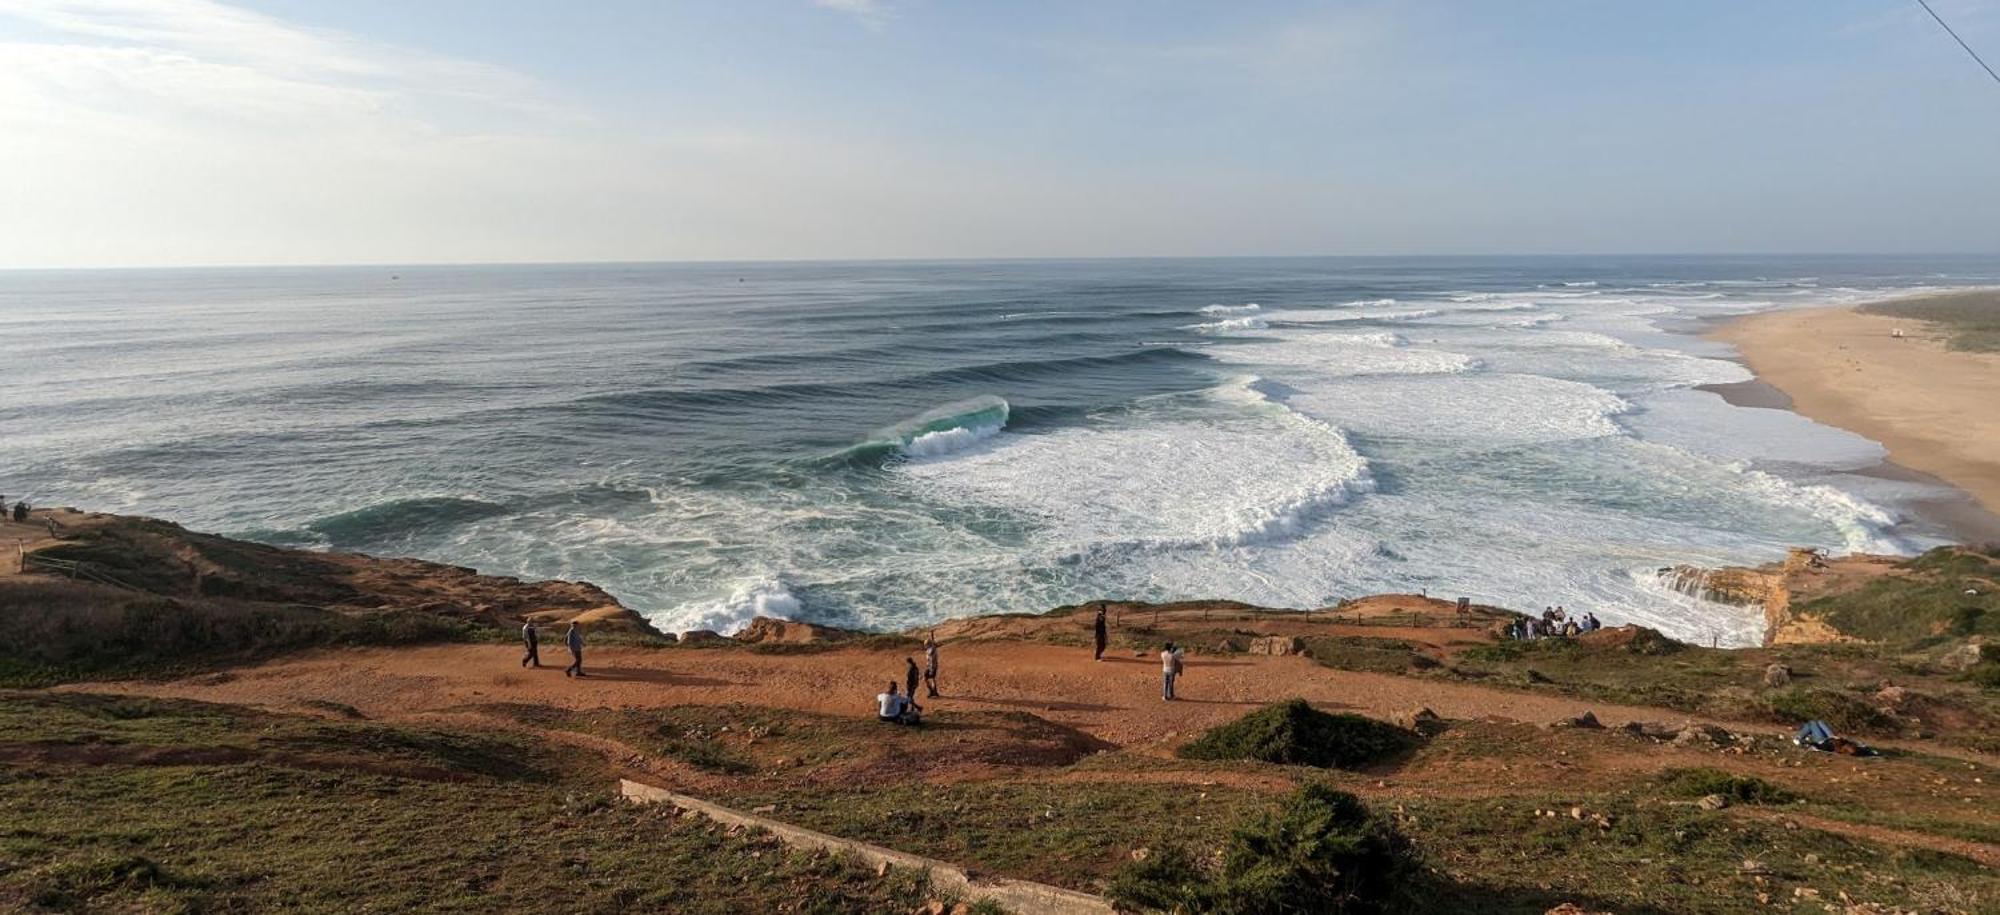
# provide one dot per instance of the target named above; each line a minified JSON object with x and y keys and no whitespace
{"x":1294,"y":733}
{"x":1743,"y":789}
{"x":1800,"y":704}
{"x":1320,"y":852}
{"x":1986,"y":675}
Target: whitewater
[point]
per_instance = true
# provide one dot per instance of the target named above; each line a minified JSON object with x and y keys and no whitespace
{"x":885,"y":444}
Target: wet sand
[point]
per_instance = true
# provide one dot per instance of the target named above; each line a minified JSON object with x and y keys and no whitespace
{"x":1936,"y":410}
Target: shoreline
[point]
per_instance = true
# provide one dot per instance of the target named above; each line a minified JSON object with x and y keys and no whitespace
{"x":1929,"y":406}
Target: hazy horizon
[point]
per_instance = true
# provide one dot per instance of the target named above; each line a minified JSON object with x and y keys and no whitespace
{"x":160,"y":133}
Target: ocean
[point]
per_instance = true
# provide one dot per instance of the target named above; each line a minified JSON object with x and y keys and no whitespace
{"x":880,"y":444}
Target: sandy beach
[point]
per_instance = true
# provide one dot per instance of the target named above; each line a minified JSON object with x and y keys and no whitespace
{"x":1937,"y":410}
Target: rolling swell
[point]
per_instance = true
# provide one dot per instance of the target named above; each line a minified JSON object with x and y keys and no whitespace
{"x":669,"y":401}
{"x":398,"y":519}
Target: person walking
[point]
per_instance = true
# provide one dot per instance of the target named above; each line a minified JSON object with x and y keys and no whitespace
{"x":532,"y":641}
{"x":931,"y":665}
{"x":575,"y":639}
{"x":1099,"y":630}
{"x":1170,"y":670}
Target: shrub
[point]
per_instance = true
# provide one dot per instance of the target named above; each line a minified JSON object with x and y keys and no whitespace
{"x":1846,"y":713}
{"x":1294,"y":733}
{"x":1743,"y":789}
{"x":1321,"y":851}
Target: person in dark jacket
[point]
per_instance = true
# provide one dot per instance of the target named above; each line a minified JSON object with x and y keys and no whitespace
{"x":1101,"y":633}
{"x":533,"y":642}
{"x":911,"y":675}
{"x":575,"y":639}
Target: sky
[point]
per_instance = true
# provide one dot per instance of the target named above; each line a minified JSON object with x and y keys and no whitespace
{"x":193,"y":132}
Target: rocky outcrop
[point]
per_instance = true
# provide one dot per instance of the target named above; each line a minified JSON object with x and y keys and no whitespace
{"x":150,"y":556}
{"x":1278,"y":645}
{"x":767,"y":630}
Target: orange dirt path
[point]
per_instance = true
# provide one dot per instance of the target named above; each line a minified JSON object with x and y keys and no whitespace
{"x":1116,"y":700}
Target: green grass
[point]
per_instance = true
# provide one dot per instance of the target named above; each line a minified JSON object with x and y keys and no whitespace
{"x":1376,"y":655}
{"x":68,"y":631}
{"x":317,"y":823}
{"x":1846,"y":712}
{"x":1072,"y":833}
{"x":1971,"y":318}
{"x":1909,"y":609}
{"x":1742,"y":789}
{"x":1293,"y":733}
{"x":1499,"y":855}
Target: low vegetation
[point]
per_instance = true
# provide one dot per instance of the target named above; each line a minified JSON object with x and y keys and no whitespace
{"x":1972,"y":319}
{"x":1741,"y":789}
{"x":1293,"y":733}
{"x":1321,"y":851}
{"x":127,"y":805}
{"x":67,"y":631}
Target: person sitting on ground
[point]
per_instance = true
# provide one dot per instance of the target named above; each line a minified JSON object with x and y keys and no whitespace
{"x":21,"y":510}
{"x":893,"y":708}
{"x":1571,"y":630}
{"x":889,"y":705}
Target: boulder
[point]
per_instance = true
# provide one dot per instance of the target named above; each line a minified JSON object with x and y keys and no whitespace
{"x":1777,"y":676}
{"x":1571,"y":908}
{"x":772,"y":631}
{"x":1587,"y":720}
{"x":1229,"y":645}
{"x":1703,"y":735}
{"x":1278,"y":645}
{"x":1651,"y":729}
{"x":1964,"y":657}
{"x":1421,"y":720}
{"x":1712,"y":802}
{"x":1891,"y":698}
{"x":703,"y":637}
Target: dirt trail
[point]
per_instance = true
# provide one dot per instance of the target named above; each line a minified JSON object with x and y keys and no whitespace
{"x":1116,"y":700}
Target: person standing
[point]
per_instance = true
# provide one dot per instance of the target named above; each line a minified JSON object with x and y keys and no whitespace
{"x":1099,"y":629}
{"x":575,"y":639}
{"x":931,"y":665}
{"x":1170,"y":670}
{"x":910,"y":676}
{"x":532,"y":641}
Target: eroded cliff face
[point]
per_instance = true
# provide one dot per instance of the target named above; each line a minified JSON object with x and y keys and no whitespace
{"x":1780,"y":587}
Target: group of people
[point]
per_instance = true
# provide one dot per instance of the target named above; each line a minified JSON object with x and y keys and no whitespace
{"x":531,"y":639}
{"x":20,"y":512}
{"x":1555,"y":622}
{"x":892,"y":707}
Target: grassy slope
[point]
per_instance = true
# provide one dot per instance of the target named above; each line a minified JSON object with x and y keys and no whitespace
{"x":1972,"y":318}
{"x":338,"y":816}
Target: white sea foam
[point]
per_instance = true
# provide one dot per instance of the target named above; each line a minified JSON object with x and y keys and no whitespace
{"x":1186,"y":484}
{"x":1228,"y":326}
{"x":946,"y":441}
{"x":1244,"y":309}
{"x":1346,"y":354}
{"x":753,"y":598}
{"x":1476,"y":409}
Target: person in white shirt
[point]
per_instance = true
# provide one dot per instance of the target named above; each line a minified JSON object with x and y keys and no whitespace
{"x":893,"y":708}
{"x":1170,"y":670}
